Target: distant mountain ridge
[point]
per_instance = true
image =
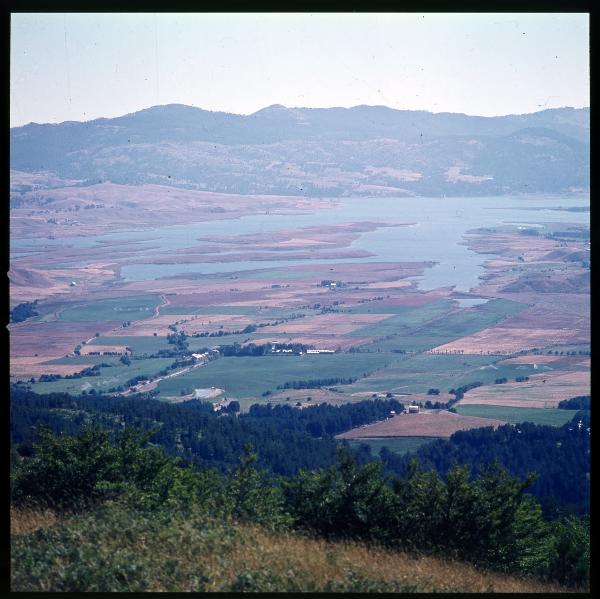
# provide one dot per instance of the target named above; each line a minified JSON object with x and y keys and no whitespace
{"x":364,"y":150}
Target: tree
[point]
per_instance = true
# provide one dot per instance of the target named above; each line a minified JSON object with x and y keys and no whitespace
{"x":570,"y":554}
{"x":251,"y":497}
{"x":233,"y":407}
{"x":347,"y":500}
{"x":65,"y":471}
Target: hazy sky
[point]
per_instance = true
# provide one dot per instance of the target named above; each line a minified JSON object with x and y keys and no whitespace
{"x":84,"y":66}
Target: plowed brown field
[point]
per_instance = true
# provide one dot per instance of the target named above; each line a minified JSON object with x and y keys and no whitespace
{"x":424,"y":424}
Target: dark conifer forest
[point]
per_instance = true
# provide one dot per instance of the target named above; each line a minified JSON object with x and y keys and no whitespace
{"x":288,"y":440}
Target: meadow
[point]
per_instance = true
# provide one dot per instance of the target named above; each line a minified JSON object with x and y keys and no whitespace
{"x":252,"y":376}
{"x":406,"y":315}
{"x":86,"y":360}
{"x":545,"y":416}
{"x":423,"y":329}
{"x":139,"y":345}
{"x":399,"y":445}
{"x":123,"y":308}
{"x":109,"y":377}
{"x":234,"y":310}
{"x":420,"y":372}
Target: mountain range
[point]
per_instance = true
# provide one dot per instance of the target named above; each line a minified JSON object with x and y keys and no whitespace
{"x":327,"y":152}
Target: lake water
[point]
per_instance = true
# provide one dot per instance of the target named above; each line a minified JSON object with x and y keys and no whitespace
{"x":440,"y":224}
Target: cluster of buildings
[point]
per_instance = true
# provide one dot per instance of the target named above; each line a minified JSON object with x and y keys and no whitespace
{"x":279,"y":350}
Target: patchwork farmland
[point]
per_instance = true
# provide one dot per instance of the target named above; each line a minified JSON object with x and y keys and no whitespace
{"x":505,"y":339}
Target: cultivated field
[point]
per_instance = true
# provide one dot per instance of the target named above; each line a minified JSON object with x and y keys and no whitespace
{"x":506,"y":340}
{"x":540,"y":391}
{"x":391,"y":336}
{"x":415,"y":374}
{"x":549,"y":417}
{"x":330,"y":324}
{"x":253,"y":376}
{"x":110,"y":377}
{"x":399,"y":445}
{"x":35,"y":367}
{"x":425,"y":424}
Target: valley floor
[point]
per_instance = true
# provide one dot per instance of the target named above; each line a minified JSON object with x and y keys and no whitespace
{"x":523,"y":332}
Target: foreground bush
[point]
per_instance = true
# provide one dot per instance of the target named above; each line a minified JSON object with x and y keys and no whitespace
{"x":488,"y":521}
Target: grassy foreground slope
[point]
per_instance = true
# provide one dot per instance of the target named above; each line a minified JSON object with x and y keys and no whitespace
{"x":117,"y":549}
{"x":121,"y":515}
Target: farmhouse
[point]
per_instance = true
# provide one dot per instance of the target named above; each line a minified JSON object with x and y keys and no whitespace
{"x":320,"y":351}
{"x":413,"y":409}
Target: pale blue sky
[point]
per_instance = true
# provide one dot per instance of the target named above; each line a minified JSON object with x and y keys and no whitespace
{"x":84,"y":66}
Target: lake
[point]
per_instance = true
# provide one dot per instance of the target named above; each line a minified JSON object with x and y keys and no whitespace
{"x":437,"y":235}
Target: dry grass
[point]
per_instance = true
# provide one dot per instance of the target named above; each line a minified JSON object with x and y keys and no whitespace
{"x":88,"y":349}
{"x":506,"y":340}
{"x":126,"y":551}
{"x":318,"y":396}
{"x":531,"y":359}
{"x":540,"y":391}
{"x":27,"y":366}
{"x":326,"y":341}
{"x":334,"y":324}
{"x":325,"y":563}
{"x":388,"y":285}
{"x":24,"y":520}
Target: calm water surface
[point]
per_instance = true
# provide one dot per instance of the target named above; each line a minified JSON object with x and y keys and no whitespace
{"x":440,"y":224}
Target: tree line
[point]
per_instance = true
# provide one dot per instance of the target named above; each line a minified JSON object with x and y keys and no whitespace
{"x":288,"y":440}
{"x":560,"y":457}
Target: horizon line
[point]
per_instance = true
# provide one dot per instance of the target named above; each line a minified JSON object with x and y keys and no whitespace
{"x":296,"y":108}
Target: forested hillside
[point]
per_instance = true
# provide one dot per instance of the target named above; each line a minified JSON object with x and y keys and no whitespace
{"x":288,"y":440}
{"x":560,"y":457}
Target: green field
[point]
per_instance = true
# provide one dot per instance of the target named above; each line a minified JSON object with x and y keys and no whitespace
{"x":407,"y":315}
{"x":109,"y":377}
{"x":548,"y":416}
{"x":405,"y":320}
{"x":263,"y":313}
{"x":251,"y":376}
{"x":196,"y":343}
{"x":420,"y":372}
{"x":399,"y":445}
{"x":139,"y":345}
{"x":87,"y":360}
{"x":125,"y":308}
{"x":175,"y":310}
{"x":400,"y":334}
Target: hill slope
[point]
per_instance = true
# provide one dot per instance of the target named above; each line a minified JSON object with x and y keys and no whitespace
{"x":128,"y":551}
{"x":364,"y":150}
